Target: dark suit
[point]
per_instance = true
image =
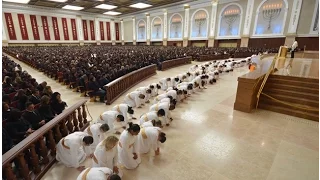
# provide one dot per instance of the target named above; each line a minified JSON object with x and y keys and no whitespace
{"x":34,"y":99}
{"x":33,"y":118}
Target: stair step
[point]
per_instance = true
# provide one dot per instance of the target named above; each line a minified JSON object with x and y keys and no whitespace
{"x":291,"y":92}
{"x":294,"y":78}
{"x":293,"y":82}
{"x":271,"y":102}
{"x":296,"y":100}
{"x":293,"y":88}
{"x":289,"y":111}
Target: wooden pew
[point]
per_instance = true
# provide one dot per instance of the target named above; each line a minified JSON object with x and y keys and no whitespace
{"x":119,"y":86}
{"x":42,"y":143}
{"x":175,"y":62}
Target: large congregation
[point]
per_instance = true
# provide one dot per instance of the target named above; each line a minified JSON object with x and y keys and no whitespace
{"x":109,"y":153}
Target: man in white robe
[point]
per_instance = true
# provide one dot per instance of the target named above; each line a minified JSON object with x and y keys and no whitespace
{"x":165,"y":83}
{"x":172,"y":93}
{"x":154,"y":89}
{"x":146,"y":92}
{"x":98,"y":173}
{"x":153,"y":115}
{"x":161,"y":96}
{"x":152,"y":123}
{"x":124,"y":110}
{"x":73,"y":149}
{"x":97,"y":131}
{"x":127,"y":149}
{"x":134,"y":99}
{"x":110,"y":118}
{"x":167,"y":107}
{"x":149,"y":139}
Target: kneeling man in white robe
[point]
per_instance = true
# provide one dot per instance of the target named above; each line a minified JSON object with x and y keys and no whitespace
{"x":124,"y":110}
{"x":110,"y":118}
{"x":98,"y":173}
{"x":153,"y":115}
{"x":106,"y":154}
{"x":97,"y":131}
{"x":127,"y":149}
{"x":167,"y":107}
{"x":73,"y":149}
{"x":149,"y":138}
{"x":134,"y":99}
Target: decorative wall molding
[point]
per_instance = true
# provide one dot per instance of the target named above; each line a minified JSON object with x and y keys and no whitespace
{"x":192,"y":21}
{"x":214,"y":12}
{"x":151,"y":27}
{"x":295,"y":15}
{"x":248,"y":17}
{"x":315,"y":19}
{"x":170,"y":19}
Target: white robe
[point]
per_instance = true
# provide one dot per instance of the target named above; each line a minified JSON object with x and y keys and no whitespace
{"x":148,"y":117}
{"x":126,"y":148}
{"x":143,"y":90}
{"x":154,"y":91}
{"x":123,"y":110}
{"x":159,"y":97}
{"x":165,"y":106}
{"x":105,"y":158}
{"x":165,"y":84}
{"x":132,"y":99}
{"x":148,"y":139}
{"x":147,"y":124}
{"x":109,"y":117}
{"x":96,"y":173}
{"x":172,"y":93}
{"x":94,"y":131}
{"x":72,"y":153}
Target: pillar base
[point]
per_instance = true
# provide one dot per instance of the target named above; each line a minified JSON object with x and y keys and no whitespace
{"x":148,"y":42}
{"x":185,"y":42}
{"x":5,"y":43}
{"x":98,"y":43}
{"x":122,"y":42}
{"x":244,"y":42}
{"x":81,"y":43}
{"x":289,"y":40}
{"x":211,"y":42}
{"x":165,"y":42}
{"x":134,"y":42}
{"x":113,"y":43}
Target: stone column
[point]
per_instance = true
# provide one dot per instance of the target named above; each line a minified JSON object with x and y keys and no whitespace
{"x":294,"y":19}
{"x":165,"y":28}
{"x":186,"y":26}
{"x":80,"y":30}
{"x":5,"y":41}
{"x":148,"y":29}
{"x":247,"y":24}
{"x":134,"y":40}
{"x":97,"y":25}
{"x":122,"y":32}
{"x":213,"y":23}
{"x":113,"y":32}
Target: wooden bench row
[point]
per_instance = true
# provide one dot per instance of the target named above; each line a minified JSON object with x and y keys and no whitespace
{"x":175,"y":62}
{"x":33,"y":157}
{"x":224,"y":56}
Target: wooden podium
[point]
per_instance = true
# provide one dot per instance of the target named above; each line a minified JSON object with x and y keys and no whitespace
{"x":282,"y":55}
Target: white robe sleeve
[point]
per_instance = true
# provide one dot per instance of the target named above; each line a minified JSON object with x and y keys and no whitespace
{"x":115,"y":159}
{"x":74,"y":151}
{"x":137,"y":101}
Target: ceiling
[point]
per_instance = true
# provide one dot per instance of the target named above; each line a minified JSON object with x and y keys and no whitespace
{"x":89,"y":5}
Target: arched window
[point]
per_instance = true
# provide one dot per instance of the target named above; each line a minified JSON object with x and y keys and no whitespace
{"x":156,"y":29}
{"x":199,"y":24}
{"x":230,"y":20}
{"x":270,"y":17}
{"x":175,"y":29}
{"x":141,"y":32}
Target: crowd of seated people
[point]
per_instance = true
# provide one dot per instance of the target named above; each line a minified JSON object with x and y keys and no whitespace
{"x":90,"y":68}
{"x":26,"y":105}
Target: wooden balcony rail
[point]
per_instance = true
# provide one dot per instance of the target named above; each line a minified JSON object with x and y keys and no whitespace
{"x":175,"y":62}
{"x":32,"y":157}
{"x":213,"y":57}
{"x":242,"y":54}
{"x":117,"y":87}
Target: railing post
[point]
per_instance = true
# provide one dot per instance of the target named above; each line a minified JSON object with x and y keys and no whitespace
{"x":34,"y":159}
{"x":80,"y":118}
{"x":75,"y":121}
{"x":57,"y":133}
{"x":23,"y":167}
{"x":8,"y":172}
{"x":51,"y":143}
{"x":69,"y":124}
{"x":84,"y":114}
{"x":43,"y":151}
{"x":64,"y":130}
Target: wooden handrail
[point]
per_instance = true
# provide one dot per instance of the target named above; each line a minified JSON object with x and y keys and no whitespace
{"x":119,"y":86}
{"x":53,"y":131}
{"x":175,"y":62}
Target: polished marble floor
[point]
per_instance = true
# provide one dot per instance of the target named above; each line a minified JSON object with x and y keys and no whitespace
{"x":208,"y":140}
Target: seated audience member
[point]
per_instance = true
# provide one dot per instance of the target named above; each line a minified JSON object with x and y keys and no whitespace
{"x":6,"y":99}
{"x":22,"y":98}
{"x":45,"y":109}
{"x":6,"y":110}
{"x":47,"y":91}
{"x":7,"y":84}
{"x":33,"y":117}
{"x":57,"y":104}
{"x":95,"y":89}
{"x":35,"y":97}
{"x":7,"y":142}
{"x":41,"y":86}
{"x":19,"y":129}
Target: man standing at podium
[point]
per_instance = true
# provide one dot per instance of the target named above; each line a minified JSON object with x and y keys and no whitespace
{"x":293,"y":48}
